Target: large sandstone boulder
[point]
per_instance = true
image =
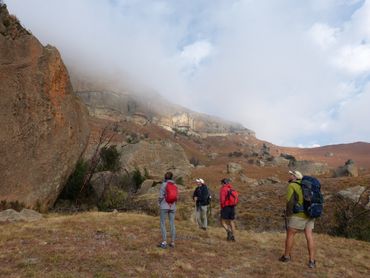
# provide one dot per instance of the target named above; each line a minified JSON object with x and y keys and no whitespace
{"x":234,"y":168}
{"x":43,"y":124}
{"x":307,"y":167}
{"x":10,"y":215}
{"x":145,"y":187}
{"x":156,"y":157}
{"x":355,"y":193}
{"x":349,"y":169}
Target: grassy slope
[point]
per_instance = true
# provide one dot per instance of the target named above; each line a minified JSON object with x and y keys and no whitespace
{"x":123,"y":245}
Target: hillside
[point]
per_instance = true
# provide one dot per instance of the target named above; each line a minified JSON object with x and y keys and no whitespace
{"x":124,"y":245}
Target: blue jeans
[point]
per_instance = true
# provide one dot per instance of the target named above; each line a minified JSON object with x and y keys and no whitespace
{"x":171,"y":216}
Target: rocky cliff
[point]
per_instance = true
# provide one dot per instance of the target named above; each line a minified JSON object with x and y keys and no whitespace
{"x":157,"y":110}
{"x":43,"y":124}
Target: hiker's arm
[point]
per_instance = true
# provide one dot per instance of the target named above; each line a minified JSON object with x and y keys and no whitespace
{"x":289,"y":200}
{"x":161,"y":192}
{"x":222,"y":197}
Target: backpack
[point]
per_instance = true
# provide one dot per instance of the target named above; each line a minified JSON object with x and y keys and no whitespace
{"x":171,"y":193}
{"x":205,"y":197}
{"x":312,"y":198}
{"x":232,"y":197}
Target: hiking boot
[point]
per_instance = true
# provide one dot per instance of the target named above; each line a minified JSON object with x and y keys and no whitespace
{"x":172,"y":245}
{"x":204,"y":228}
{"x":232,"y":238}
{"x":229,"y":235}
{"x":284,"y":259}
{"x":162,"y":245}
{"x":312,"y":264}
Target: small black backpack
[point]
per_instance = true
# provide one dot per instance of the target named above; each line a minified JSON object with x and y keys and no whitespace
{"x":205,"y":197}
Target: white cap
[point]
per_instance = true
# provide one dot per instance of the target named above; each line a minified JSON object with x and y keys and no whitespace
{"x":297,"y":174}
{"x":200,"y":180}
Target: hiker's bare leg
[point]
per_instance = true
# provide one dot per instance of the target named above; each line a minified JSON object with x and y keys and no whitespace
{"x":310,"y":243}
{"x":290,"y":233}
{"x":232,"y":225}
{"x":225,"y":224}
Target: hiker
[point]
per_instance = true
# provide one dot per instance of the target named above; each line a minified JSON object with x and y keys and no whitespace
{"x":228,"y":201}
{"x":168,"y":195}
{"x":201,"y":197}
{"x":297,"y":221}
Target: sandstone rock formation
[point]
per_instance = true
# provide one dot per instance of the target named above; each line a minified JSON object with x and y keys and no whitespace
{"x":307,"y":167}
{"x":145,"y":187}
{"x":10,"y":215}
{"x":349,"y":169}
{"x":153,"y":108}
{"x":355,"y":193}
{"x":43,"y":124}
{"x":156,"y":157}
{"x":233,"y":168}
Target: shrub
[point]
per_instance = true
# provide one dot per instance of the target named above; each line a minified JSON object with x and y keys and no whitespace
{"x":137,"y":179}
{"x":351,"y":221}
{"x":73,"y":187}
{"x":181,"y":131}
{"x":235,"y":154}
{"x":194,"y":161}
{"x":110,"y":159}
{"x":133,"y":138}
{"x":115,"y":198}
{"x":16,"y":205}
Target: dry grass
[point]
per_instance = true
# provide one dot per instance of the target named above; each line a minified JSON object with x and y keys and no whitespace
{"x":124,"y":245}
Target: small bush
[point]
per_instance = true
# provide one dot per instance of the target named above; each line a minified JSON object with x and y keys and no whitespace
{"x":352,"y":221}
{"x":235,"y":154}
{"x":133,"y":138}
{"x":75,"y":181}
{"x":110,"y":159}
{"x":194,"y":161}
{"x":115,"y":198}
{"x":16,"y":205}
{"x":137,"y":179}
{"x":181,"y":131}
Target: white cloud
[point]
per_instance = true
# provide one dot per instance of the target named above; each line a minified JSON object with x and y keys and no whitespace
{"x":293,"y":71}
{"x":323,"y":35}
{"x":355,"y":59}
{"x":196,"y":52}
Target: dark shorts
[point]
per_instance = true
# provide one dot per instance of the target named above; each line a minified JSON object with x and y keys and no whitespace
{"x":228,"y":213}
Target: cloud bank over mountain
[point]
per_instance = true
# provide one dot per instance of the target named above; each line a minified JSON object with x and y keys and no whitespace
{"x":296,"y":72}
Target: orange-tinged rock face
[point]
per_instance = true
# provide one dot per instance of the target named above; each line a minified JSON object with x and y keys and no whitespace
{"x":44,"y":126}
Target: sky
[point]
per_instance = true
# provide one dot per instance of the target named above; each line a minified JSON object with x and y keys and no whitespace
{"x":295,"y":72}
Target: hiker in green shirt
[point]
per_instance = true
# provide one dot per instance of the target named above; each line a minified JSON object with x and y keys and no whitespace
{"x":297,"y":219}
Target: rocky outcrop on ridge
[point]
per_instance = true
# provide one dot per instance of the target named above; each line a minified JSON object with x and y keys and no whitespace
{"x":307,"y":167}
{"x":349,"y":169}
{"x":44,"y":126}
{"x":156,"y":110}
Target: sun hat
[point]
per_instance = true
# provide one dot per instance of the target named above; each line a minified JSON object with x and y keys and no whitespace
{"x":297,"y":174}
{"x":199,"y":180}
